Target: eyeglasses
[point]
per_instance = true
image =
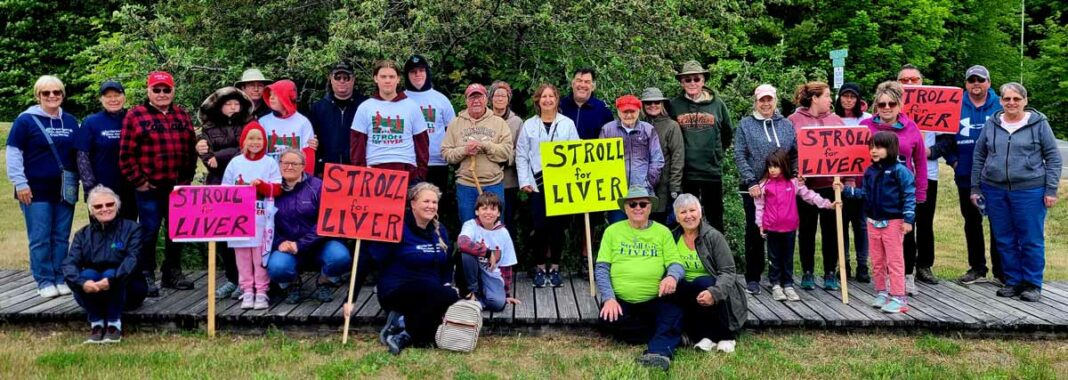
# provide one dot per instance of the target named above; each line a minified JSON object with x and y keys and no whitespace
{"x":100,"y":206}
{"x":692,"y":79}
{"x":165,"y":90}
{"x":637,"y":204}
{"x":290,"y":164}
{"x":56,"y":93}
{"x":343,"y":78}
{"x":976,"y":80}
{"x":910,"y":80}
{"x":1012,"y":100}
{"x":886,"y":104}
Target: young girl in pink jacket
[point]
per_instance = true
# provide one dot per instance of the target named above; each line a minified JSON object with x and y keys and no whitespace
{"x":776,"y":215}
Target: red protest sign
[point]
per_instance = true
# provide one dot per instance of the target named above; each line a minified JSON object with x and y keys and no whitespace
{"x":833,"y":151}
{"x":362,"y":203}
{"x":212,"y":213}
{"x":933,"y":108}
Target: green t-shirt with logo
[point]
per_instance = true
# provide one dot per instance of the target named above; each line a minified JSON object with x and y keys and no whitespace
{"x":639,"y":259}
{"x":690,"y":261}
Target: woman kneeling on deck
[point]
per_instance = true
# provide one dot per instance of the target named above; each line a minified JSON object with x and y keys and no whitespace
{"x":99,"y":264}
{"x":637,"y":270}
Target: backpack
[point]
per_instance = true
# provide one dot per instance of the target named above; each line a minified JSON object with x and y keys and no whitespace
{"x":460,"y":328}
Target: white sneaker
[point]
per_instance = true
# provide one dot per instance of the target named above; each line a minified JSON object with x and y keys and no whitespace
{"x":705,"y":345}
{"x":777,"y":294}
{"x":726,"y":346}
{"x":248,"y":301}
{"x":49,"y":291}
{"x":791,"y":295}
{"x":261,"y":302}
{"x":63,"y":289}
{"x":910,"y":284}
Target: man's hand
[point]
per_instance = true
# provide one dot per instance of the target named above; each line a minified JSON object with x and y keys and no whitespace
{"x":288,"y":247}
{"x":313,"y":143}
{"x":472,"y":147}
{"x":1050,"y":201}
{"x":667,"y":286}
{"x":25,"y":196}
{"x":611,"y":310}
{"x":145,"y":187}
{"x":754,"y":191}
{"x":906,"y":228}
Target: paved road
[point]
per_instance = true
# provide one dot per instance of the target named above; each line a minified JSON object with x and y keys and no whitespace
{"x":1063,"y":147}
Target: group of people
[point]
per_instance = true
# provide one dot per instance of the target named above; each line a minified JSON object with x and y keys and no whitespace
{"x":654,"y":285}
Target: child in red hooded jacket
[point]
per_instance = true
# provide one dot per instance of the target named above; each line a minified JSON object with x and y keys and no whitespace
{"x":285,"y":127}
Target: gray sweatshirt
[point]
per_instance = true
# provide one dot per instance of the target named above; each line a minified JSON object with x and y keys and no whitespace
{"x":1025,"y":159}
{"x":755,"y":139}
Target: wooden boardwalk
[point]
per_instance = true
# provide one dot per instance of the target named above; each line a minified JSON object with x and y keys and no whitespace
{"x":945,"y":307}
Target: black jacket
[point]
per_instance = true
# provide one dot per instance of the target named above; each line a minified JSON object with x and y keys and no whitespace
{"x":102,"y":247}
{"x":332,"y":121}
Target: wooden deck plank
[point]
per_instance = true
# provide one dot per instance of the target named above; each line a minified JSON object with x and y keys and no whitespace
{"x":1001,"y":316}
{"x":809,"y":317}
{"x":566,"y":303}
{"x":368,"y":312}
{"x":505,"y":316}
{"x":822,"y":300}
{"x":545,"y":305}
{"x":524,"y":313}
{"x":589,"y":311}
{"x":1056,"y":319}
{"x":935,"y":297}
{"x":9,"y":274}
{"x":866,"y":294}
{"x":19,"y":291}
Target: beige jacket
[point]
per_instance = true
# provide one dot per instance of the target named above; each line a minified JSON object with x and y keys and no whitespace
{"x":497,"y":146}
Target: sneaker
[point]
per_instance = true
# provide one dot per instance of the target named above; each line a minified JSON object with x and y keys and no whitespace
{"x":777,"y":293}
{"x":392,"y":327}
{"x":1008,"y":291}
{"x":926,"y":276}
{"x":999,"y":281}
{"x":972,"y":276}
{"x":726,"y":346}
{"x":539,"y":278}
{"x":752,"y":287}
{"x":398,"y":342}
{"x":791,"y":295}
{"x":248,"y":301}
{"x":705,"y":345}
{"x":152,"y":290}
{"x":226,"y":290}
{"x":896,"y":305}
{"x":910,"y":284}
{"x":554,"y":278}
{"x":113,"y":335}
{"x":830,"y":282}
{"x":63,"y":289}
{"x":236,"y":294}
{"x":96,"y":335}
{"x":808,"y":281}
{"x":880,"y":300}
{"x":324,"y":293}
{"x":863,"y":276}
{"x":176,"y":280}
{"x":293,"y":294}
{"x":49,"y":291}
{"x":1032,"y":294}
{"x":262,"y":302}
{"x":650,"y":359}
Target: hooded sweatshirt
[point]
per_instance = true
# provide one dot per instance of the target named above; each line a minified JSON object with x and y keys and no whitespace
{"x":972,"y":119}
{"x":515,"y":124}
{"x":222,"y":132}
{"x":437,"y":112}
{"x":418,"y":257}
{"x":755,"y":139}
{"x":776,"y":211}
{"x":391,"y":133}
{"x":286,"y":129}
{"x":801,"y":118}
{"x":30,"y":161}
{"x":707,"y":130}
{"x":889,"y":192}
{"x":910,"y":146}
{"x":97,"y":142}
{"x":642,"y":154}
{"x":1025,"y":159}
{"x":674,"y":149}
{"x":496,"y":139}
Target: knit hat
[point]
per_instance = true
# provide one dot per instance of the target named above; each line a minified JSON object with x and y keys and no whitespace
{"x":692,"y":67}
{"x":253,"y":126}
{"x":628,"y":102}
{"x":849,"y":87}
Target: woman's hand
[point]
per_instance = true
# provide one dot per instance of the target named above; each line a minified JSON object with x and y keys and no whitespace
{"x":25,"y":196}
{"x":346,"y":309}
{"x":256,"y":182}
{"x":202,"y":147}
{"x":754,"y":191}
{"x":103,"y":285}
{"x":527,"y":189}
{"x":611,"y":310}
{"x":906,"y":228}
{"x":1050,"y":201}
{"x":145,"y":187}
{"x":834,"y":205}
{"x":213,"y":163}
{"x":288,"y":247}
{"x":705,"y":298}
{"x":667,"y":286}
{"x":838,"y":186}
{"x":512,"y":301}
{"x":90,"y":287}
{"x":313,"y":143}
{"x":975,"y":200}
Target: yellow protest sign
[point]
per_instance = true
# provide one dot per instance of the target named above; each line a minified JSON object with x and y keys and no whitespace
{"x":583,"y":176}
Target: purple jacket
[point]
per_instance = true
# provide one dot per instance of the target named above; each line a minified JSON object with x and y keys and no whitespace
{"x":910,"y":146}
{"x":641,"y":148}
{"x":298,"y":214}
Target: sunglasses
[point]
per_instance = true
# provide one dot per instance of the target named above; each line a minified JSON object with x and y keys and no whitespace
{"x":976,"y":80}
{"x":692,"y":79}
{"x":637,"y":204}
{"x":343,"y":78}
{"x":886,"y":104}
{"x":1012,"y":100}
{"x":101,"y":206}
{"x":165,"y":90}
{"x":56,"y":93}
{"x":910,"y":80}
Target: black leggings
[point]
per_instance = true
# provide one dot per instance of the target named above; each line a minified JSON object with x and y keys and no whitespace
{"x":698,"y":321}
{"x":423,"y":304}
{"x":919,"y":244}
{"x":548,"y":239}
{"x":806,"y":234}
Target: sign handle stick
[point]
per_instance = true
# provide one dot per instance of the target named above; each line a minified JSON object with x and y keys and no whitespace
{"x":211,"y":289}
{"x":352,"y":288}
{"x":841,"y":242}
{"x":589,"y":255}
{"x":474,"y":173}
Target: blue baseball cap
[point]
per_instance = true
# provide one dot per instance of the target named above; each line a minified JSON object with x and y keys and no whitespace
{"x":111,"y":85}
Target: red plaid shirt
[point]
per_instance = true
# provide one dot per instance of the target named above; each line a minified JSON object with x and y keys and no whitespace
{"x":157,"y":147}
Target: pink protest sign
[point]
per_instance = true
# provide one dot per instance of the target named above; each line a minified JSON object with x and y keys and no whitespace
{"x":212,"y":213}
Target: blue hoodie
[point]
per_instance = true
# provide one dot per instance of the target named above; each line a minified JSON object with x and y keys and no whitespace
{"x":30,"y":162}
{"x":889,"y":192}
{"x":416,"y":258}
{"x":972,"y":119}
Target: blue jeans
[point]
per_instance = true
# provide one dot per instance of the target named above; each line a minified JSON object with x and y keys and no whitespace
{"x":488,"y":286}
{"x":48,"y":230}
{"x":467,"y":196}
{"x":781,"y":257}
{"x":109,"y":304}
{"x":656,"y":322}
{"x":1018,"y":218}
{"x":152,"y":213}
{"x":332,"y":256}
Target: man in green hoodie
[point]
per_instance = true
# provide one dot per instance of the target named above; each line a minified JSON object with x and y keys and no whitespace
{"x":707,"y":131}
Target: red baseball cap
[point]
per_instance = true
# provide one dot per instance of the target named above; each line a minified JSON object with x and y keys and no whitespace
{"x":628,"y":102}
{"x":475,"y":88}
{"x":160,"y":77}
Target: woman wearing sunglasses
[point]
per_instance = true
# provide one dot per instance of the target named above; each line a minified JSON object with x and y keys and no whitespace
{"x":911,"y":147}
{"x":1015,"y":172}
{"x":40,"y":152}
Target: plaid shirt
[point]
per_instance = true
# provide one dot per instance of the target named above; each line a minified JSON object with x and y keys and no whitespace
{"x":157,"y":147}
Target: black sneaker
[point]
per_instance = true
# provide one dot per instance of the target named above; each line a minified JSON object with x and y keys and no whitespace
{"x":176,"y":280}
{"x":863,"y":276}
{"x":650,"y":359}
{"x":293,"y":294}
{"x":925,"y":276}
{"x":152,"y":289}
{"x":398,"y":342}
{"x":96,"y":335}
{"x":113,"y":335}
{"x":554,"y":278}
{"x":391,"y":328}
{"x":1008,"y":291}
{"x":972,"y":276}
{"x":752,"y":287}
{"x":324,"y":293}
{"x":1032,"y":294}
{"x":539,"y":278}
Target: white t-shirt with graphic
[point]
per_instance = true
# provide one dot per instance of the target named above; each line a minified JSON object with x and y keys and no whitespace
{"x":389,"y":127}
{"x":292,"y":132}
{"x":494,"y":239}
{"x":438,"y":113}
{"x":242,"y":171}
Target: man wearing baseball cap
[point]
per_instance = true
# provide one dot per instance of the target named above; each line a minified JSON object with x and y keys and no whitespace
{"x":331,"y":117}
{"x":480,"y":142}
{"x":252,"y":83}
{"x":157,"y":152}
{"x":641,"y":148}
{"x":980,"y":104}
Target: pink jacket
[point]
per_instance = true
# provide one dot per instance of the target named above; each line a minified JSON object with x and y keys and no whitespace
{"x":910,"y":145}
{"x":780,"y":203}
{"x":802,"y":118}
